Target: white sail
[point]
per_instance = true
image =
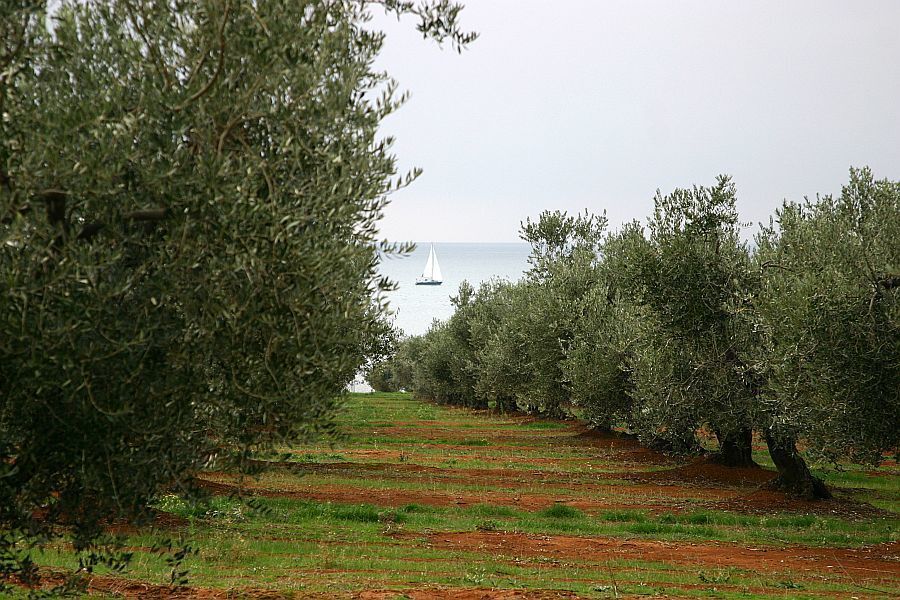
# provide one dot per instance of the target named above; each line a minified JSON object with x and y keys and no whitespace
{"x":429,"y":265}
{"x":432,"y":273}
{"x":436,"y":268}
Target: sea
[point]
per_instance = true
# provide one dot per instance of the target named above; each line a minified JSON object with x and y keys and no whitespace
{"x":415,"y":307}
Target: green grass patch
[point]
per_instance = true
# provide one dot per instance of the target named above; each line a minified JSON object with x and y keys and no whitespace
{"x":545,"y":425}
{"x":214,"y":508}
{"x":561,"y":511}
{"x":623,"y":516}
{"x":490,"y":510}
{"x":299,"y":546}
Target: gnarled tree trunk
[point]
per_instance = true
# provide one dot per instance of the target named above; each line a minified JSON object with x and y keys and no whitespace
{"x":507,"y":404}
{"x":736,"y":448}
{"x":793,"y":474}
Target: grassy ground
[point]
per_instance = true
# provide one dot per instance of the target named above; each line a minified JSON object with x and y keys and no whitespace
{"x":419,"y":500}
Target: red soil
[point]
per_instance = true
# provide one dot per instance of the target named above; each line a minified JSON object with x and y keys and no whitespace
{"x":704,"y":484}
{"x":444,"y":433}
{"x":397,"y":498}
{"x":769,"y":501}
{"x":465,"y":594}
{"x":98,"y":584}
{"x":161,"y":520}
{"x":880,"y":563}
{"x":621,"y":447}
{"x":757,"y":495}
{"x":707,"y":472}
{"x":412,"y":472}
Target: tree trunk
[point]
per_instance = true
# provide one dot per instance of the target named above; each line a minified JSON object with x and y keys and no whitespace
{"x":506,"y":405}
{"x":681,"y":446}
{"x":793,"y":474}
{"x":553,"y":411}
{"x":736,"y":448}
{"x":603,"y":428}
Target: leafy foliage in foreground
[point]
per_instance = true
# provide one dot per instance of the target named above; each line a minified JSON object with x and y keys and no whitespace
{"x":683,"y":326}
{"x":189,"y":194}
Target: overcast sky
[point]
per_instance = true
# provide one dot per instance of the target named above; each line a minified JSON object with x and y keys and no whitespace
{"x":574,"y":104}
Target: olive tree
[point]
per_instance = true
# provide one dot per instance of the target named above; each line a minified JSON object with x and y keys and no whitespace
{"x":599,"y":362}
{"x":381,"y":378}
{"x":696,"y":281}
{"x":189,"y":197}
{"x":435,"y":376}
{"x":564,"y":250}
{"x":498,"y":368}
{"x":403,"y":364}
{"x":448,"y":358}
{"x":829,"y":308}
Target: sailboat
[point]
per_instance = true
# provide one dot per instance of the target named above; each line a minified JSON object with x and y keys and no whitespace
{"x":432,"y":273}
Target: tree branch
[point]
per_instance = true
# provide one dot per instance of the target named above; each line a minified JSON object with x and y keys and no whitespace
{"x":14,"y":212}
{"x":56,"y":215}
{"x":147,"y":214}
{"x":196,"y":96}
{"x":888,"y":282}
{"x":89,"y":231}
{"x":56,"y":207}
{"x":771,"y":264}
{"x":152,"y":49}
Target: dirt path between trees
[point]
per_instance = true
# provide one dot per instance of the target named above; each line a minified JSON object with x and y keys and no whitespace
{"x":875,"y":563}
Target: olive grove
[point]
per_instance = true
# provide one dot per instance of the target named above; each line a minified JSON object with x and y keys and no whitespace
{"x":682,"y":328}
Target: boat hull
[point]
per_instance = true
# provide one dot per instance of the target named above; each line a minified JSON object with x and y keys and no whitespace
{"x":429,"y":282}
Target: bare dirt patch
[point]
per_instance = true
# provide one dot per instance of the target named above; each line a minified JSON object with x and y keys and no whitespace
{"x":445,"y":433}
{"x":757,"y":494}
{"x":368,"y":454}
{"x":465,"y":594}
{"x":669,"y":501}
{"x":586,"y":489}
{"x":132,"y":589}
{"x":765,"y":501}
{"x":160,"y":520}
{"x":619,"y":446}
{"x":880,"y":563}
{"x":128,"y":588}
{"x":706,"y":472}
{"x":406,"y":471}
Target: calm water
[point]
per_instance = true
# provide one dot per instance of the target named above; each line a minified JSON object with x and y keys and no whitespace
{"x":415,"y":306}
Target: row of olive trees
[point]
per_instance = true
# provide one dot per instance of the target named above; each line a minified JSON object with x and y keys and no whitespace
{"x":681,"y":327}
{"x":189,"y":197}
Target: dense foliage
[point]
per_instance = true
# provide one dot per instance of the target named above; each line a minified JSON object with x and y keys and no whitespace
{"x":682,"y":327}
{"x":829,"y":308}
{"x":692,"y":281}
{"x":189,"y":194}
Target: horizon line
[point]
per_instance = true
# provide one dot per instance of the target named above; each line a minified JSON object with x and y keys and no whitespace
{"x":455,"y":242}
